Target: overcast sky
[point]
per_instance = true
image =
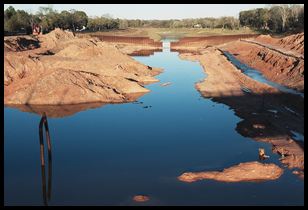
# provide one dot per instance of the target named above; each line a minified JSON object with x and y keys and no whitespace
{"x":148,"y":11}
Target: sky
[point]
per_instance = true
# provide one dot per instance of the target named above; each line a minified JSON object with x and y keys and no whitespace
{"x":148,"y":11}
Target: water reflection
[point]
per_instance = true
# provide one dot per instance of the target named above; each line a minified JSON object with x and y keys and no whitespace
{"x":145,"y":52}
{"x":46,"y":191}
{"x":59,"y":111}
{"x":56,"y":111}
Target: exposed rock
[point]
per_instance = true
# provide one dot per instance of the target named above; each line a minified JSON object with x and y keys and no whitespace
{"x":300,"y":174}
{"x":165,"y":84}
{"x":244,"y":172}
{"x":262,"y":155}
{"x":141,"y":198}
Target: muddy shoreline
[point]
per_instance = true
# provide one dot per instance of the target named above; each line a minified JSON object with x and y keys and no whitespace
{"x":61,"y":69}
{"x":226,"y":84}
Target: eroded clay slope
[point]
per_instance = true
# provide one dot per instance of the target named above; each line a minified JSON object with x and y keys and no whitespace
{"x":69,"y":70}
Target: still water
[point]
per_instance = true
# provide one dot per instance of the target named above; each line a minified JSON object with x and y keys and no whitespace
{"x":105,"y":156}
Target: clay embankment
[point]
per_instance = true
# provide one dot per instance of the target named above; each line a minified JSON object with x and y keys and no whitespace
{"x":293,"y":43}
{"x":131,"y":45}
{"x":268,"y":114}
{"x":244,"y":172}
{"x":196,"y":43}
{"x":69,"y":70}
{"x":280,"y":60}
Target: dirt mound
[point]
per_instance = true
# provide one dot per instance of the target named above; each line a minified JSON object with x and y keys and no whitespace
{"x":266,"y":39}
{"x":72,"y":70}
{"x":55,"y":37}
{"x":20,"y":43}
{"x":294,"y":42}
{"x":18,"y":66}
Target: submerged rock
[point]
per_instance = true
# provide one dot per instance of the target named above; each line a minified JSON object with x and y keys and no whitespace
{"x":141,"y":198}
{"x":243,"y":172}
{"x":262,"y":154}
{"x":165,"y":84}
{"x":300,"y":174}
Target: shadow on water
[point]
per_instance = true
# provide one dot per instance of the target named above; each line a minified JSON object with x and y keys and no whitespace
{"x":267,"y":115}
{"x":46,"y":189}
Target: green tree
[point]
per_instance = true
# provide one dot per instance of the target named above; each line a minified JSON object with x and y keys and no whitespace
{"x":19,"y":20}
{"x":261,"y":18}
{"x":78,"y":19}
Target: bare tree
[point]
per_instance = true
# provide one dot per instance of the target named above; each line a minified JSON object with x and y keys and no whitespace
{"x":284,"y":14}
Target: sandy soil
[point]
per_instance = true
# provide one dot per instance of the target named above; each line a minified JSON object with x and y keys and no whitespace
{"x":65,"y":69}
{"x":243,"y":172}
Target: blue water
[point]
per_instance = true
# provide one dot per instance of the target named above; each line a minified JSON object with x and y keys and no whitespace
{"x":258,"y":76}
{"x":105,"y":156}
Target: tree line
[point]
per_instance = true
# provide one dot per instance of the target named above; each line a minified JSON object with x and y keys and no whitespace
{"x":277,"y":18}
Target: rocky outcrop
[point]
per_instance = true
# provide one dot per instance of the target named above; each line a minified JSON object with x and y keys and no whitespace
{"x":243,"y":172}
{"x":71,"y":70}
